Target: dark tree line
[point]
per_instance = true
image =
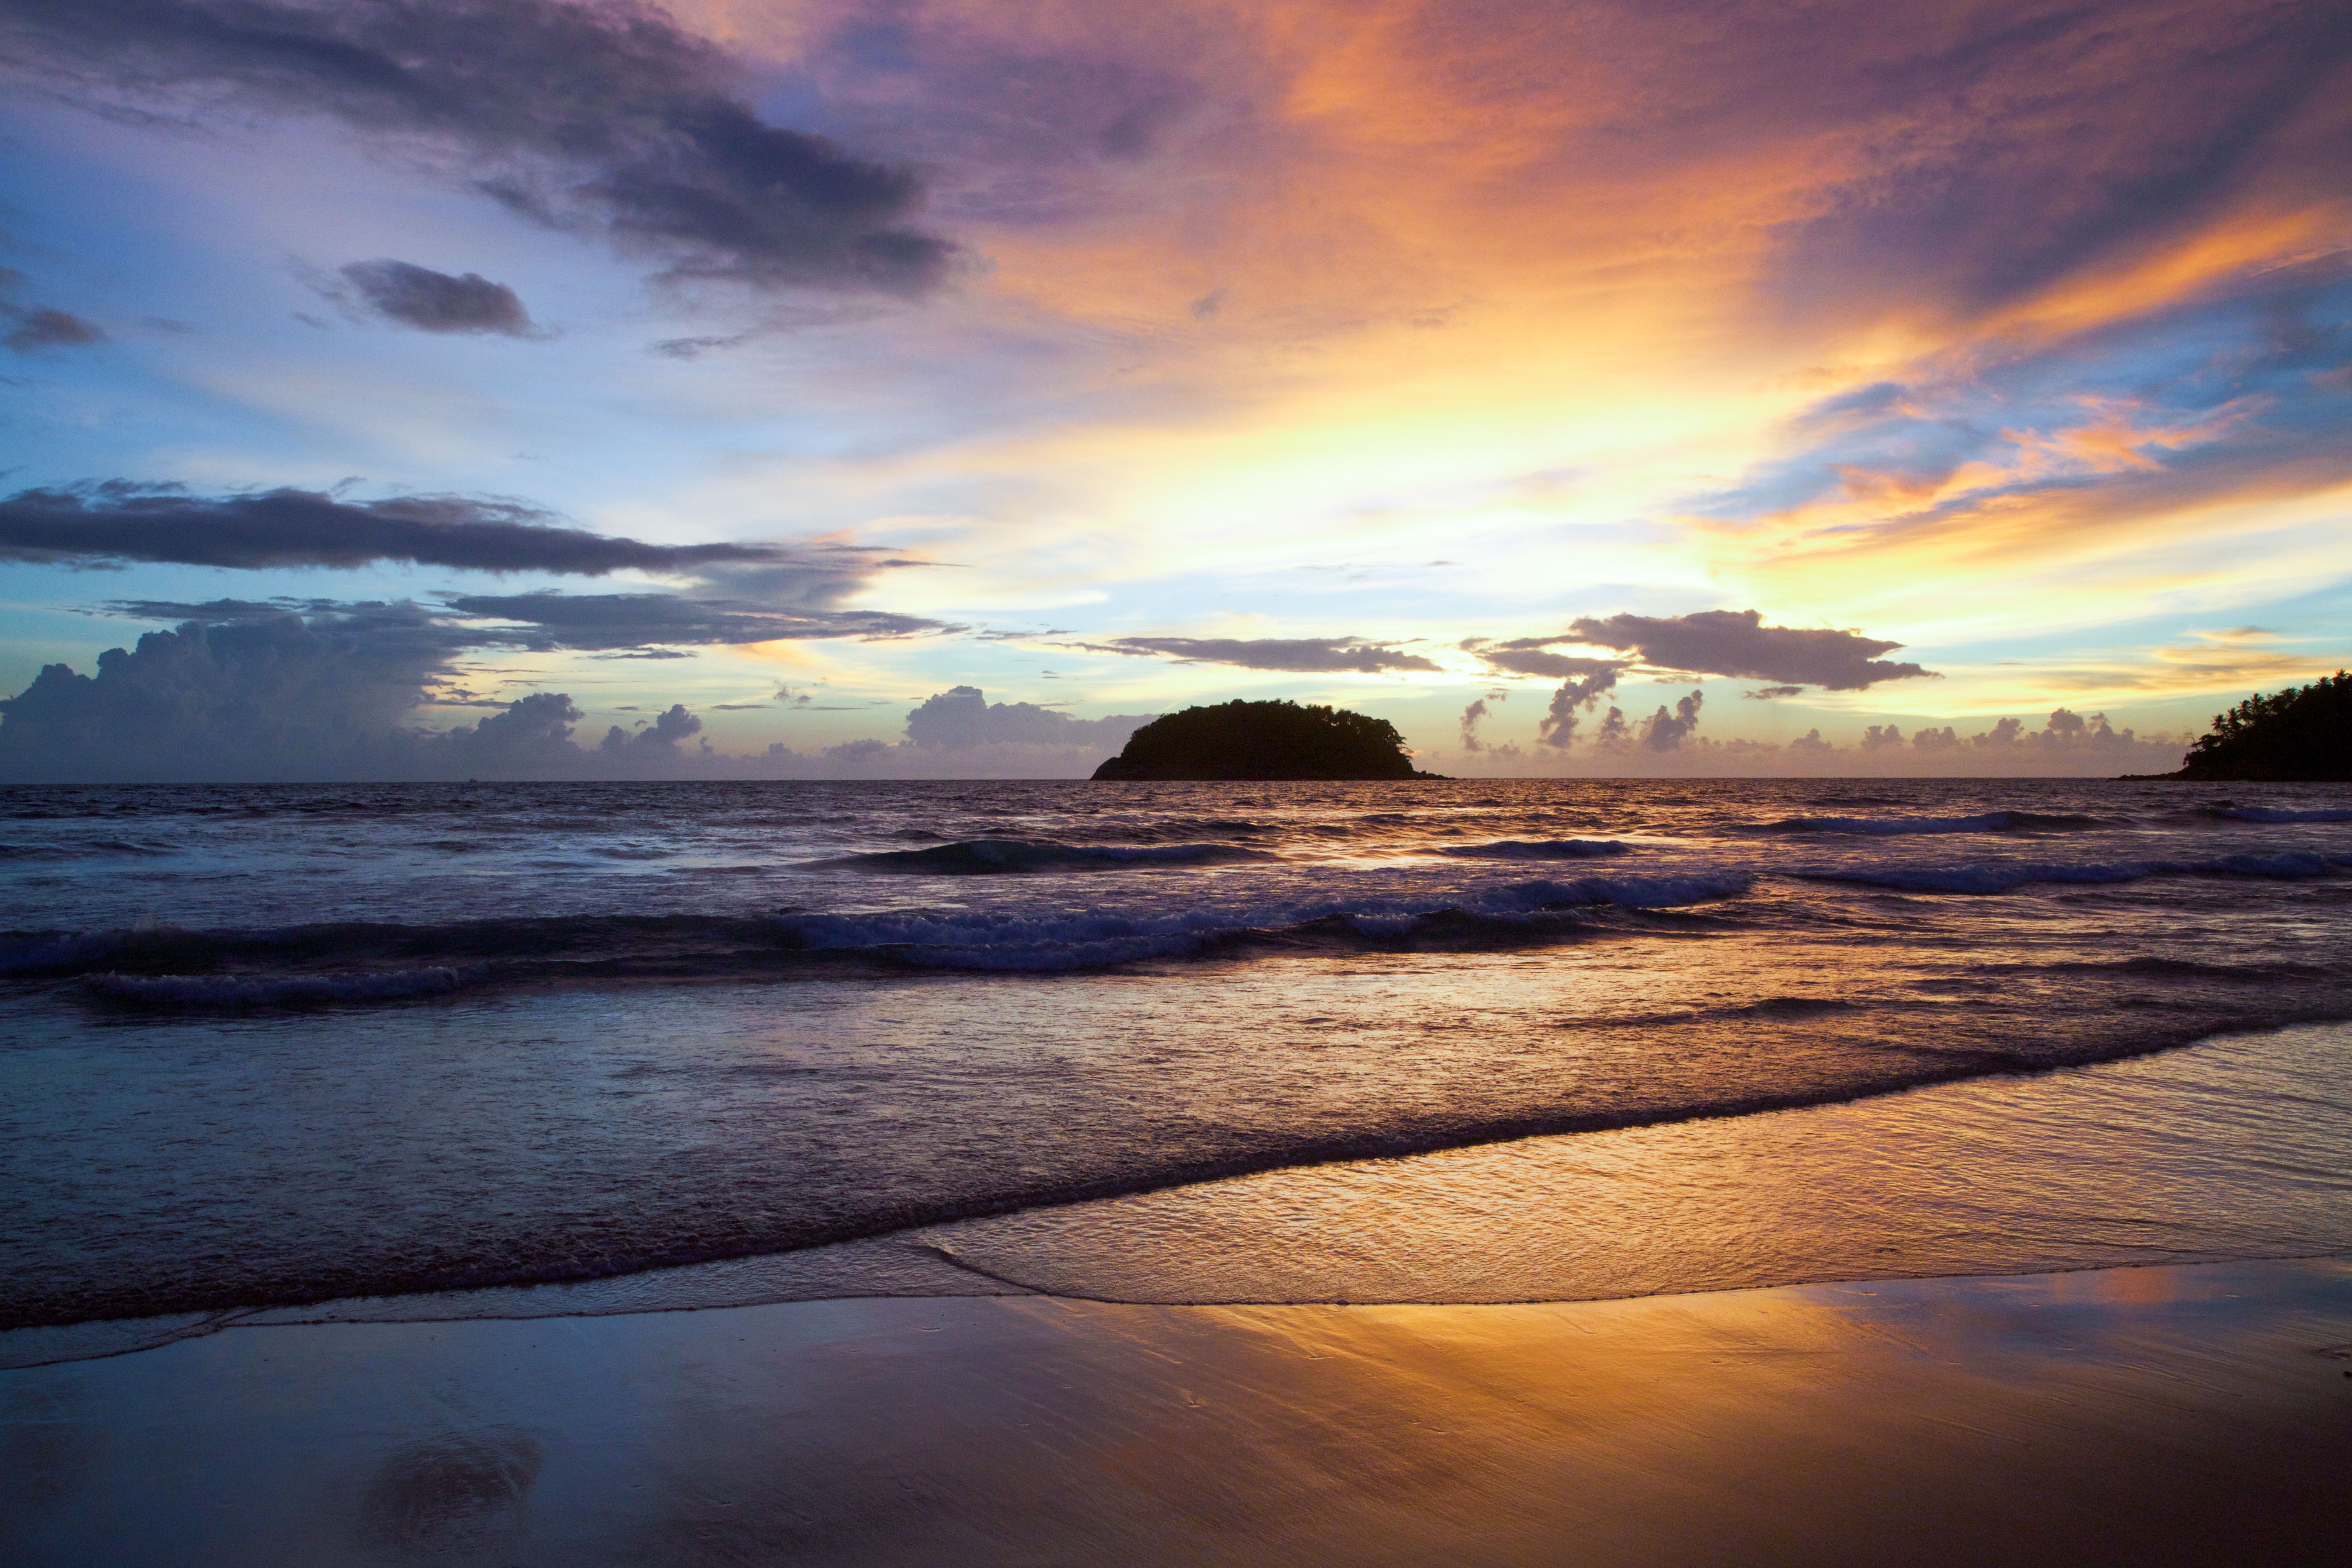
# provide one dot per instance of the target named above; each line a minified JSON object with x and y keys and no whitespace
{"x":2305,"y":732}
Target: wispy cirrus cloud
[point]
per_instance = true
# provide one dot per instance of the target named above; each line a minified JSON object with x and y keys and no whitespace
{"x":600,"y":621}
{"x":1298,"y":655}
{"x":2019,"y":455}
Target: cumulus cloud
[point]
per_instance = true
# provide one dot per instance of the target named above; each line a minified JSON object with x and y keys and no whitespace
{"x":1738,"y":643}
{"x":1301,"y":655}
{"x":602,"y":117}
{"x":1664,"y":731}
{"x":961,"y":718}
{"x":244,"y":697}
{"x":658,"y":739}
{"x":1557,"y":728}
{"x":2066,"y":745}
{"x":436,"y":302}
{"x":1474,"y":715}
{"x":251,"y":691}
{"x":117,"y":520}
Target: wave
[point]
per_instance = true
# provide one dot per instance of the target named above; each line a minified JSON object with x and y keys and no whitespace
{"x":1892,"y":826}
{"x":1540,"y":850}
{"x":307,"y":966}
{"x":275,"y":990}
{"x":2001,"y":876}
{"x":989,"y":856}
{"x":87,"y":850}
{"x":2272,"y":814}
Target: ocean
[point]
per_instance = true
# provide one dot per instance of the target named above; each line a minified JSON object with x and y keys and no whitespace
{"x":279,"y":1053}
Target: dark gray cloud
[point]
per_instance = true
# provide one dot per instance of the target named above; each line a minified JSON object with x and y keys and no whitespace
{"x":588,"y":621}
{"x":117,"y":522}
{"x":1303,"y":654}
{"x":1518,"y":658}
{"x":962,"y":717}
{"x":33,"y":328}
{"x":602,"y":117}
{"x":1766,"y":693}
{"x":43,"y":328}
{"x":635,"y":623}
{"x":435,"y":302}
{"x":1738,"y":643}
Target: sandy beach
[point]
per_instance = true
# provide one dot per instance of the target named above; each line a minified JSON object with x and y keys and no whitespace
{"x":2164,"y":1415}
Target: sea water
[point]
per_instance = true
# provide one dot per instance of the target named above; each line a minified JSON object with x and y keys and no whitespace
{"x":269,"y":1048}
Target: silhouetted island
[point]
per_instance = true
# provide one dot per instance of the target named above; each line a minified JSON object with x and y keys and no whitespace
{"x":2304,"y":735}
{"x":1263,"y":740}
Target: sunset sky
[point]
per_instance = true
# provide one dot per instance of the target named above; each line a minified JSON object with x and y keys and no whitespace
{"x":1110,"y":358}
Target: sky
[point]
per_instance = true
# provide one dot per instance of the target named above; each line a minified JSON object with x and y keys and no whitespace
{"x":752,"y":388}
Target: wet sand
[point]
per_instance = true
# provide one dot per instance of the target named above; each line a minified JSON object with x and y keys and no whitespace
{"x":2147,"y":1415}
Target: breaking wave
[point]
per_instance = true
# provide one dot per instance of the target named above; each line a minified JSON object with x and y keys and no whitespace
{"x":1540,"y":850}
{"x":307,"y":966}
{"x":987,"y":856}
{"x":2272,"y":814}
{"x":2001,"y":876}
{"x":1893,"y":826}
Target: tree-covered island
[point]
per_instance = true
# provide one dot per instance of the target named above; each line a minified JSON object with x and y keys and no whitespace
{"x":1280,"y":739}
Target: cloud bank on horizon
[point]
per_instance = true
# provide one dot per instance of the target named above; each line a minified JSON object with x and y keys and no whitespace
{"x":1714,"y":378}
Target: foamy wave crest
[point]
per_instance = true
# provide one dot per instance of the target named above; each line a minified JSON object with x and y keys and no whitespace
{"x":985,"y":857}
{"x":2001,"y":876}
{"x":2274,"y":813}
{"x":1540,"y":850}
{"x":275,"y":990}
{"x":1896,"y":827}
{"x":302,"y":965}
{"x":1096,"y":937}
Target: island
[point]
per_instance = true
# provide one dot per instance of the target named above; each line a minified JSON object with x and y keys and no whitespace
{"x":1279,"y":740}
{"x":2299,"y":736}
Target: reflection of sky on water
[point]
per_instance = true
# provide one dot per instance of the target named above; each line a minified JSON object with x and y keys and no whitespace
{"x":2236,"y":1148}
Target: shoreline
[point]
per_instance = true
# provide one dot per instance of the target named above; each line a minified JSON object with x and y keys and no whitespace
{"x":2172,"y":1414}
{"x":2227,"y":1150}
